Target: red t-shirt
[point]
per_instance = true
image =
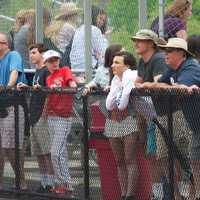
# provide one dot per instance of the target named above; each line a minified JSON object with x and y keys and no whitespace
{"x":60,"y":104}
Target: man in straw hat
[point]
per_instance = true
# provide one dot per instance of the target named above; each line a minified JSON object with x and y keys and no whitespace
{"x":151,"y":66}
{"x":184,"y":73}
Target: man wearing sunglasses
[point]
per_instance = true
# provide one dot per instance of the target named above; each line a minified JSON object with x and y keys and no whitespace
{"x":184,"y":73}
{"x":11,"y":72}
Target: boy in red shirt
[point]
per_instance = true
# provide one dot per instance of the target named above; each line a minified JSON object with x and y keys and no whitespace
{"x":58,"y":110}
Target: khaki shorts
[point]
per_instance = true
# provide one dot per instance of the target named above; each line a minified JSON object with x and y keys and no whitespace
{"x":40,"y":138}
{"x":7,"y":129}
{"x":181,"y":135}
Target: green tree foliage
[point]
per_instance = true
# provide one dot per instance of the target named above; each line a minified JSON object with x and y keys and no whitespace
{"x":123,"y":15}
{"x":124,"y":18}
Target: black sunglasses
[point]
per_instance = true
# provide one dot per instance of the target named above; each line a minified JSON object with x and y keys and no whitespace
{"x":170,"y":50}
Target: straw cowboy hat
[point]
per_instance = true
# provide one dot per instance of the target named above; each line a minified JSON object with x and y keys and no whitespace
{"x":67,"y":9}
{"x":177,"y":43}
{"x":146,"y":34}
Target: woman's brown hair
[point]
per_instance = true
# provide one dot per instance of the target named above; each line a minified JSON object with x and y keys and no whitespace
{"x":178,"y":8}
{"x":109,"y":55}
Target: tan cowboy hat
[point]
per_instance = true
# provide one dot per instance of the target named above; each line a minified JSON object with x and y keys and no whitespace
{"x":177,"y":43}
{"x":67,"y":9}
{"x":146,"y":34}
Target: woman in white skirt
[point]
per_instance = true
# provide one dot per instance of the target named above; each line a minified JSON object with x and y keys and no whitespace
{"x":120,"y":127}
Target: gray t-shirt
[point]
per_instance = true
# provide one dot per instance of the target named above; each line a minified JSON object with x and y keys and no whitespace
{"x":155,"y":66}
{"x":21,"y":46}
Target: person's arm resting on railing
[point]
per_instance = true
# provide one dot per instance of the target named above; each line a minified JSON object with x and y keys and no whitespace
{"x":13,"y":78}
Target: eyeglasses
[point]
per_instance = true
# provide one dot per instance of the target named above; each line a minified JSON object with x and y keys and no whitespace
{"x":170,"y":50}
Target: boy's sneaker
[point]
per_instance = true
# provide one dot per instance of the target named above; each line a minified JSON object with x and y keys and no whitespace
{"x":62,"y":189}
{"x":48,"y":188}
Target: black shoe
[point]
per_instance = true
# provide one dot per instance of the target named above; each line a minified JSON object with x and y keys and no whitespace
{"x":129,"y":198}
{"x":123,"y":197}
{"x":183,"y":198}
{"x":48,"y":188}
{"x":3,"y":113}
{"x":42,"y":189}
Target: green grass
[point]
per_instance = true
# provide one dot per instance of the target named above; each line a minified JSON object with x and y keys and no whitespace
{"x":11,"y":7}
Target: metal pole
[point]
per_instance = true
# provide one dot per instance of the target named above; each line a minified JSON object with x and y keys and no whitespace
{"x":161,"y":18}
{"x":85,"y":143}
{"x":170,"y":150}
{"x":17,"y":151}
{"x":39,"y":21}
{"x":142,"y":14}
{"x":88,"y":43}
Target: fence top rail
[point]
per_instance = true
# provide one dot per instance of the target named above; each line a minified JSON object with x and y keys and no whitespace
{"x":13,"y":90}
{"x":154,"y":92}
{"x":135,"y":92}
{"x":163,"y":92}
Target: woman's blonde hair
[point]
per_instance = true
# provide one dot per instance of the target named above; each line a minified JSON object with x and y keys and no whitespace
{"x":54,"y":28}
{"x":27,"y":16}
{"x":178,"y":8}
{"x":30,"y":19}
{"x":19,"y":20}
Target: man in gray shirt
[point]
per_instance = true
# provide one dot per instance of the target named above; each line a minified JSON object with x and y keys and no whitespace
{"x":150,"y":68}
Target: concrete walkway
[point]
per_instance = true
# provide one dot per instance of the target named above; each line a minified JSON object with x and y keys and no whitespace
{"x":76,"y":170}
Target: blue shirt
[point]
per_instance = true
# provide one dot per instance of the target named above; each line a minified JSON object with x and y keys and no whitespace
{"x":188,"y":74}
{"x":11,"y":61}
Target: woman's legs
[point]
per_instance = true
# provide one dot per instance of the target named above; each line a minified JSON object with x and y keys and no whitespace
{"x":131,"y":163}
{"x":196,"y":173}
{"x":118,"y":151}
{"x":124,"y":153}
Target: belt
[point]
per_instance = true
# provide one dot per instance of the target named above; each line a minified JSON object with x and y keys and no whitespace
{"x":118,"y":115}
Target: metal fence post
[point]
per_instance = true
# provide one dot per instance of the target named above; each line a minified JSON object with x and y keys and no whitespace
{"x":39,"y":21}
{"x":142,"y":13}
{"x":170,"y":150}
{"x":161,"y":18}
{"x":88,"y":42}
{"x":85,"y":143}
{"x":17,"y":151}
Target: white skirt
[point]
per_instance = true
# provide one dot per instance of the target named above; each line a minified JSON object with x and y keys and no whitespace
{"x":120,"y":129}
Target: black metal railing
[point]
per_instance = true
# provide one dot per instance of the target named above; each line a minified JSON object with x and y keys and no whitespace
{"x":164,"y":102}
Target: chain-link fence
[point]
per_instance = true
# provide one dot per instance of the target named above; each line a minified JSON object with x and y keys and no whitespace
{"x":93,"y":171}
{"x":121,"y":22}
{"x":80,"y":147}
{"x":25,"y":128}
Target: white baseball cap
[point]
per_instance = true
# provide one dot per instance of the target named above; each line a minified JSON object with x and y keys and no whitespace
{"x":50,"y":54}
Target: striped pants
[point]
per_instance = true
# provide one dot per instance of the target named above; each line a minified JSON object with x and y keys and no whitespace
{"x":59,"y":128}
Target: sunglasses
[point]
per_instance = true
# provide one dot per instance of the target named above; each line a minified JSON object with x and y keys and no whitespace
{"x":170,"y":50}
